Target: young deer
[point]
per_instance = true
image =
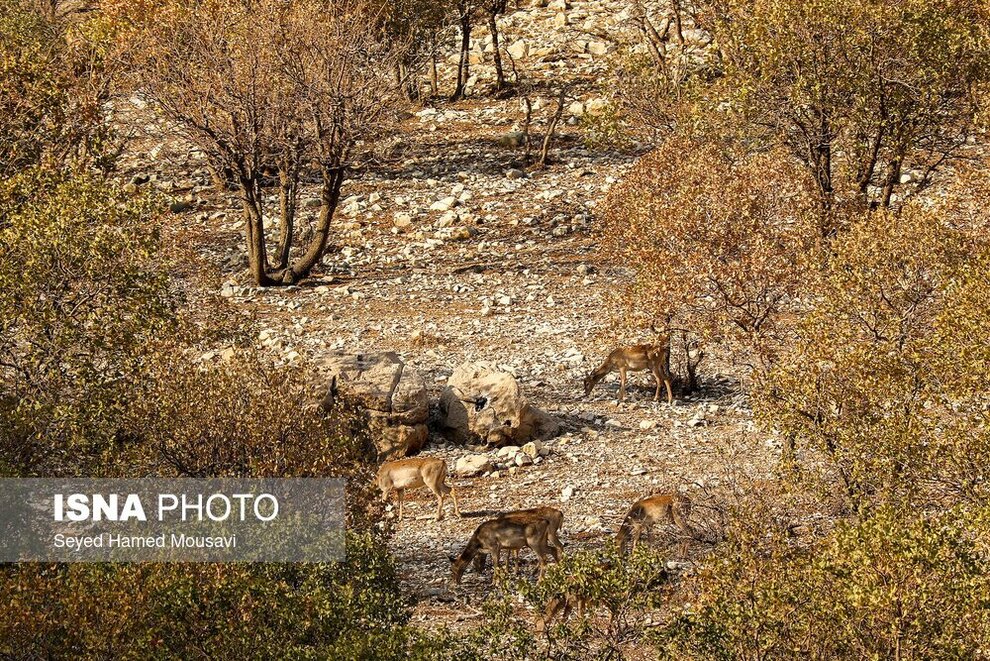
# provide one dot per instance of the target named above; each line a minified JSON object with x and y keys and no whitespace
{"x":497,"y":535}
{"x":635,"y":358}
{"x":668,"y":507}
{"x":554,"y":518}
{"x":413,"y":473}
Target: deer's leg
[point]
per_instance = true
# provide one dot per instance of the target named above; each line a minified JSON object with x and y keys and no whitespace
{"x":670,"y":392}
{"x":439,"y":496}
{"x":637,"y":531}
{"x":556,"y":547}
{"x":398,"y":495}
{"x":568,"y":605}
{"x":453,"y":496}
{"x":659,"y":380}
{"x":622,"y":384}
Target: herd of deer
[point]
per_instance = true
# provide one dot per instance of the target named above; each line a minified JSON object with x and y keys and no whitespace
{"x":538,"y":528}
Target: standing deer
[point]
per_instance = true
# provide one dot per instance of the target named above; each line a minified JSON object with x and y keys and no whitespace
{"x":554,"y":518}
{"x":644,"y":514}
{"x":497,"y":535}
{"x":636,"y":358}
{"x":414,"y":473}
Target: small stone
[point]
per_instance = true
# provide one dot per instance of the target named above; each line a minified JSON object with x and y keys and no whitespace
{"x":533,"y":449}
{"x":566,"y":493}
{"x":519,"y":49}
{"x":446,"y":204}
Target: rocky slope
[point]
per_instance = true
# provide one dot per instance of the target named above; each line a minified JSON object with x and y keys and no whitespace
{"x":448,"y":252}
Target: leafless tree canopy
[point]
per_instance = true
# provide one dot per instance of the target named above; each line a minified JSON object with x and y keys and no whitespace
{"x":272,"y":87}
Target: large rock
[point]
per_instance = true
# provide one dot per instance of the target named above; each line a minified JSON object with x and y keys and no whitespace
{"x":390,"y":396}
{"x":482,"y":404}
{"x":472,"y":464}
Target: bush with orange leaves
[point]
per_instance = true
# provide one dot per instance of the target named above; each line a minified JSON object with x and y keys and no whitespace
{"x":718,"y":245}
{"x":886,"y":386}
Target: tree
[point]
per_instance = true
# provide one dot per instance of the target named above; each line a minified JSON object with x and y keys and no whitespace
{"x":465,"y":19}
{"x":494,"y":8}
{"x":873,"y":97}
{"x":417,"y":24}
{"x":271,"y":88}
{"x":717,"y":245}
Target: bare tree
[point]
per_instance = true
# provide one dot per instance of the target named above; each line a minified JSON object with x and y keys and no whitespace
{"x":495,"y":8}
{"x":268,"y":86}
{"x":465,"y":17}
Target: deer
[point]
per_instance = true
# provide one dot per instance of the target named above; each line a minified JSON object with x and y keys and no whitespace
{"x":504,"y":534}
{"x":413,"y":473}
{"x":645,"y":513}
{"x":653,"y":357}
{"x":554,"y":518}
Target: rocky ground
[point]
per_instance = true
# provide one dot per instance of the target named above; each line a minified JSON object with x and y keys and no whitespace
{"x":447,"y":251}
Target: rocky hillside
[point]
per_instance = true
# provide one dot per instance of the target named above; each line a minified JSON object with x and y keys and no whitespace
{"x":448,"y":251}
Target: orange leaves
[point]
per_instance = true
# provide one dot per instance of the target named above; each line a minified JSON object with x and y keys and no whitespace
{"x":717,"y":243}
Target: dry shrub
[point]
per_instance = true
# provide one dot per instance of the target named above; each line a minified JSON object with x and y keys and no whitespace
{"x":716,"y":245}
{"x":894,"y":584}
{"x":346,"y":610}
{"x":888,"y":380}
{"x":236,"y":418}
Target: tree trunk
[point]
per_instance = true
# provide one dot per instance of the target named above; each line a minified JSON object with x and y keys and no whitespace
{"x":333,"y":178}
{"x":463,"y":64}
{"x":288,"y":192}
{"x":499,"y":72}
{"x":893,"y":177}
{"x":434,"y":74}
{"x":254,"y":229}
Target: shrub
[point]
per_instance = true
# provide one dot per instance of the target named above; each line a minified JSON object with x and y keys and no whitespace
{"x":81,"y":294}
{"x":895,"y":584}
{"x":887,"y":380}
{"x":717,"y":244}
{"x":346,"y":610}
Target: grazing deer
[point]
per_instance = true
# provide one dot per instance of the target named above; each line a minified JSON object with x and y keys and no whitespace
{"x":497,"y":535}
{"x":554,"y":518}
{"x":635,"y":358}
{"x":644,"y":514}
{"x":413,"y":473}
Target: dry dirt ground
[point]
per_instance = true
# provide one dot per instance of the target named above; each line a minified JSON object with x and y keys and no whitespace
{"x":501,"y":269}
